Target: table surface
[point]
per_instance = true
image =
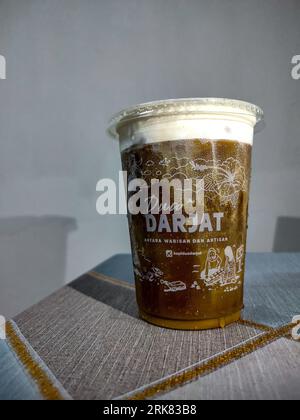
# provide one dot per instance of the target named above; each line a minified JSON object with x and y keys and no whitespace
{"x":91,"y":338}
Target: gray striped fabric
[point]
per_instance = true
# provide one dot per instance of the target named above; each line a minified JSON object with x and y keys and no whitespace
{"x":272,"y":293}
{"x":271,"y":373}
{"x":90,"y":336}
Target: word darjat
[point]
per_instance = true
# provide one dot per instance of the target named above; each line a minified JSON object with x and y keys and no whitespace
{"x":179,"y":223}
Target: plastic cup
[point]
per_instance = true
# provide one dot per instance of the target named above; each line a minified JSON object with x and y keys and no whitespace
{"x":189,"y":275}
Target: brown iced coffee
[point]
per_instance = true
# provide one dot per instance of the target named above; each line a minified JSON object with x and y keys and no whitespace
{"x":190,"y":275}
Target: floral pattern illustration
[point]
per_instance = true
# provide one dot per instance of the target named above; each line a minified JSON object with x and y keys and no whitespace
{"x":227,"y":180}
{"x":223,"y":179}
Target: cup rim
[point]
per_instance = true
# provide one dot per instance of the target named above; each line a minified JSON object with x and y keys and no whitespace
{"x":184,"y":106}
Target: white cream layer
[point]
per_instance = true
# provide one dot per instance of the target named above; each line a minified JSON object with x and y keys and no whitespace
{"x":162,"y":129}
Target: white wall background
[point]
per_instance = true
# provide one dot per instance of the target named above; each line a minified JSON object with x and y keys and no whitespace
{"x":72,"y":63}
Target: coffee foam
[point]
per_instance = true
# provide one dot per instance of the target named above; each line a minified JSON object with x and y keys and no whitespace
{"x":154,"y":130}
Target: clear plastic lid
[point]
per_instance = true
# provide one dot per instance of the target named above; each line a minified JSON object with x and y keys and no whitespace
{"x":193,"y":108}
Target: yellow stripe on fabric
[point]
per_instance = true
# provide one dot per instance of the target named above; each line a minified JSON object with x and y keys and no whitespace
{"x":111,"y":280}
{"x":213,"y":364}
{"x":45,"y":385}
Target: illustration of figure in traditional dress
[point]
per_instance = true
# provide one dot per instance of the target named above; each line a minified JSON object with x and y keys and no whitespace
{"x":212,"y":265}
{"x":240,"y":258}
{"x":229,"y":276}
